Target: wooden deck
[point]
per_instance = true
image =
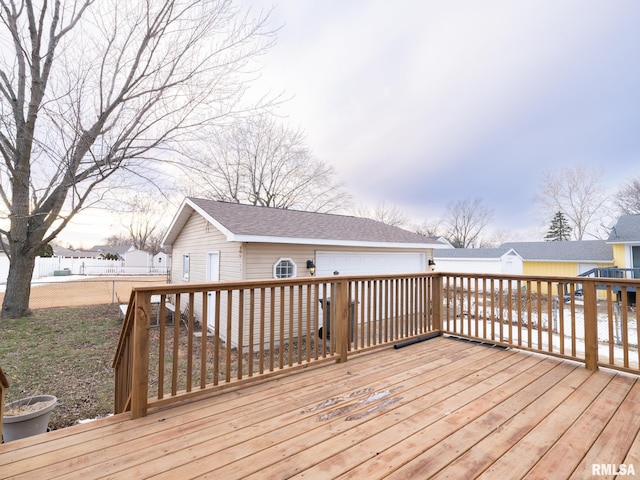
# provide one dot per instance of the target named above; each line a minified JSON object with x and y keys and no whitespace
{"x":438,"y":409}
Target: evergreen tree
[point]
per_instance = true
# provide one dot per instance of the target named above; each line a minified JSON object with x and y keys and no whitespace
{"x":560,"y":230}
{"x":45,"y":251}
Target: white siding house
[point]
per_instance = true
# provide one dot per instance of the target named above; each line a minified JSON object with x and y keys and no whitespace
{"x":479,"y":260}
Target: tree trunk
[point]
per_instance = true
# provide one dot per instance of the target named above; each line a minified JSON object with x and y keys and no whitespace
{"x":16,"y":297}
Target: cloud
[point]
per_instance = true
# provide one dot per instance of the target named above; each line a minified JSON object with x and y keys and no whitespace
{"x":420,"y":103}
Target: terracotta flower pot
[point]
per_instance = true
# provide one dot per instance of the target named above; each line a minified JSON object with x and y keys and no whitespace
{"x":32,"y":421}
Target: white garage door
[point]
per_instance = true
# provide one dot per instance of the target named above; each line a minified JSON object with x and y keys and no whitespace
{"x":350,"y":263}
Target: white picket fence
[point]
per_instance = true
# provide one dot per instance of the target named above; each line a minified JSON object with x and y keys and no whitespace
{"x":59,"y":266}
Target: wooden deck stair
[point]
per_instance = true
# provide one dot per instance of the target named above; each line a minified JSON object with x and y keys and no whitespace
{"x":437,"y":409}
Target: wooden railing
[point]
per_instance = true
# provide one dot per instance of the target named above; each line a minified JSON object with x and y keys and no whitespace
{"x":4,"y":385}
{"x":184,"y":339}
{"x":591,"y":320}
{"x":225,"y":333}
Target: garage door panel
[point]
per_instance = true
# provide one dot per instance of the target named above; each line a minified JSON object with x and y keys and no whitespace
{"x":356,"y":263}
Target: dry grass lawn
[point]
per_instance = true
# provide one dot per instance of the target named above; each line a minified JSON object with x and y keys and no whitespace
{"x":78,"y":290}
{"x":65,"y":348}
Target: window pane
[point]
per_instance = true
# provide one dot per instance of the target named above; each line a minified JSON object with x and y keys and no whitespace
{"x":285,"y":269}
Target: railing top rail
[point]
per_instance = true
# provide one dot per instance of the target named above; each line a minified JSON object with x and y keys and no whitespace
{"x":547,"y":278}
{"x":127,"y":325}
{"x":622,"y":269}
{"x":267,"y":283}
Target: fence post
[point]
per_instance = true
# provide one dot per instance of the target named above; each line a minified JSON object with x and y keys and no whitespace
{"x":140,"y":367}
{"x":590,"y":299}
{"x":436,"y":302}
{"x":342,"y":322}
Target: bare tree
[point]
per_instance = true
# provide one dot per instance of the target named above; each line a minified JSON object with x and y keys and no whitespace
{"x":90,"y":91}
{"x":465,"y":220}
{"x":259,"y":161}
{"x":118,"y":240}
{"x":578,"y":194}
{"x":430,"y":228}
{"x":628,"y":197}
{"x":143,"y":216}
{"x":382,"y":212}
{"x":496,"y":238}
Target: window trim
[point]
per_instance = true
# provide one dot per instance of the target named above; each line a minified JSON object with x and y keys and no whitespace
{"x":294,"y":268}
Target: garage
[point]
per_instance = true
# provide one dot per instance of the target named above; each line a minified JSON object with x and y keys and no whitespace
{"x":249,"y":242}
{"x":369,"y":263}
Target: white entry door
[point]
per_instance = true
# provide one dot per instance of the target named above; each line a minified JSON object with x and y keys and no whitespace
{"x":213,"y":275}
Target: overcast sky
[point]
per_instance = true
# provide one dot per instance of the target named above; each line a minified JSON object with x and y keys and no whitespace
{"x":418,"y":103}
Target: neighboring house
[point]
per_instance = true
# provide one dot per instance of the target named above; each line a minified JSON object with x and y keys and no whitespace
{"x":135,"y":261}
{"x":478,"y":260}
{"x":63,"y":252}
{"x":100,"y":260}
{"x":569,"y":258}
{"x":138,"y":259}
{"x":625,"y":241}
{"x":563,"y":259}
{"x":67,"y":261}
{"x":442,"y":240}
{"x":162,"y":260}
{"x":112,"y":250}
{"x":213,"y":241}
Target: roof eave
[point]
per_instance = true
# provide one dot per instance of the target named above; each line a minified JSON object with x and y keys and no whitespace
{"x":182,"y":216}
{"x":328,"y":242}
{"x":623,"y":242}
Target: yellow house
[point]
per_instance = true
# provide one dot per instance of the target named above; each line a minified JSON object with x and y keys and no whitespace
{"x":618,"y":257}
{"x":566,"y":259}
{"x":562,"y":259}
{"x":625,"y":242}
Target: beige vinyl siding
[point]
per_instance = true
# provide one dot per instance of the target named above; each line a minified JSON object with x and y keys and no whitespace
{"x":198,"y":238}
{"x":282,"y":298}
{"x":260,"y":258}
{"x":250,"y":261}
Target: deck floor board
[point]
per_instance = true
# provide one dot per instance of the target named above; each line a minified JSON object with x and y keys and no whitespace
{"x":438,"y":408}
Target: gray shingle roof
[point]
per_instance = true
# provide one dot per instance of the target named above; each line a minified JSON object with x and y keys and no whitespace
{"x":587,"y":251}
{"x":571,"y":251}
{"x":59,"y":251}
{"x":626,"y":229}
{"x":246,"y":221}
{"x":476,"y":253}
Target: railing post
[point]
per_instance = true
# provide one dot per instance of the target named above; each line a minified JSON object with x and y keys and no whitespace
{"x":436,"y":302}
{"x":342,"y":320}
{"x":590,"y":299}
{"x":140,"y":369}
{"x":4,"y":385}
